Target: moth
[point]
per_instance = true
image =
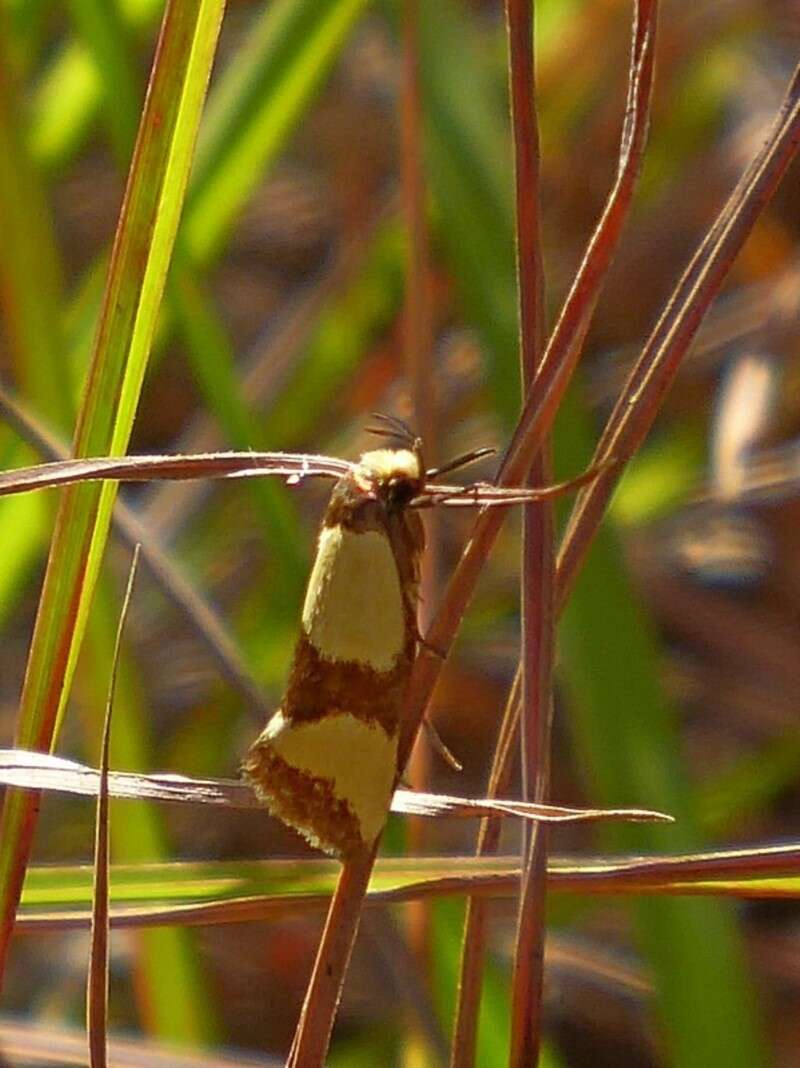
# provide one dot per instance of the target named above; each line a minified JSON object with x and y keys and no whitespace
{"x":326,"y":762}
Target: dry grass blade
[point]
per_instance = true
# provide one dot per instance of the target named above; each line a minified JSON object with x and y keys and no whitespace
{"x":760,"y":872}
{"x":294,"y":466}
{"x":26,"y":1042}
{"x":29,"y":770}
{"x":661,"y":356}
{"x":97,"y":983}
{"x":487,"y":495}
{"x":427,"y":804}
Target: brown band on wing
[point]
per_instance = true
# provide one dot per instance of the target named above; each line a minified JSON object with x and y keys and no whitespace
{"x":304,"y":801}
{"x":317,"y":686}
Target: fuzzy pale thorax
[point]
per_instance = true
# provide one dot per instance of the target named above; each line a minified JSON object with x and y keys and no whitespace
{"x":383,"y":465}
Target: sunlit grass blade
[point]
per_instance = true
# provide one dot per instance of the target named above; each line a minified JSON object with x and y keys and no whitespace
{"x":234,"y":892}
{"x":208,"y":349}
{"x":45,"y":771}
{"x":137,"y":274}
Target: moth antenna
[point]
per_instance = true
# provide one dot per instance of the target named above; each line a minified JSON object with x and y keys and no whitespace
{"x":460,"y":461}
{"x":396,"y":428}
{"x":381,"y":432}
{"x":394,"y":420}
{"x":401,"y":429}
{"x":436,"y":741}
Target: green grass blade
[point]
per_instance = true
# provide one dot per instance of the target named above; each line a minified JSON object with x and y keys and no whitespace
{"x":299,"y":883}
{"x":137,"y":275}
{"x":208,"y":347}
{"x":172,"y":993}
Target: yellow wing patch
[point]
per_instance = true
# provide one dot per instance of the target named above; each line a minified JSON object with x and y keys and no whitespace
{"x":354,"y":604}
{"x":358,"y":758}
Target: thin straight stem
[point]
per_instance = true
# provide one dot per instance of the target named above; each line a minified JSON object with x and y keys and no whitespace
{"x":417,"y":345}
{"x":313,"y":1034}
{"x":537,"y":547}
{"x":465,"y":1031}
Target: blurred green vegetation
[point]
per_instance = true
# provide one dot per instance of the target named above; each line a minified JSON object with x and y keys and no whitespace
{"x":281,"y":327}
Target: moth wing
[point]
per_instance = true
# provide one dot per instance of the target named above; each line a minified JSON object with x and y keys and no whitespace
{"x":332,"y":779}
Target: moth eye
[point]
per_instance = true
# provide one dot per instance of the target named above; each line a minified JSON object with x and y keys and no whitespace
{"x":401,"y":490}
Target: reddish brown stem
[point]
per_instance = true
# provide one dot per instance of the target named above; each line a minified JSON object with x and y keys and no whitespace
{"x":537,"y":546}
{"x":312,"y":1037}
{"x":465,"y":1031}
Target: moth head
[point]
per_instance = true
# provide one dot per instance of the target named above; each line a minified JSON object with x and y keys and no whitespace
{"x":393,"y":477}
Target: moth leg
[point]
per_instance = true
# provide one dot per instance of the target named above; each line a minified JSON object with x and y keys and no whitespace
{"x":436,"y":741}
